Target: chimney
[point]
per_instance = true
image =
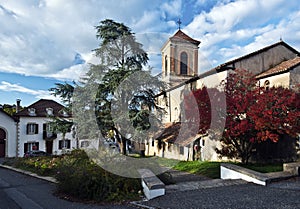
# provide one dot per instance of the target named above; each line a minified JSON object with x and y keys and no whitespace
{"x":18,"y":105}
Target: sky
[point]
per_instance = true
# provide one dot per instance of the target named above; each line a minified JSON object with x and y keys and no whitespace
{"x":43,"y":42}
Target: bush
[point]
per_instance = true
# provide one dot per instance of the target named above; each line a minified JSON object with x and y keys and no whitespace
{"x":81,"y":178}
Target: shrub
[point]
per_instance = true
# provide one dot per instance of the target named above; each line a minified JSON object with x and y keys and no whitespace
{"x":81,"y":178}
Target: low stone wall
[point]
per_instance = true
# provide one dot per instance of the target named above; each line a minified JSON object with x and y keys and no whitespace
{"x":152,"y":185}
{"x":293,"y":168}
{"x":231,"y":171}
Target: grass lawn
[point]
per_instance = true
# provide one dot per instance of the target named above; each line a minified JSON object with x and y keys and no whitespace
{"x":264,"y":168}
{"x":209,"y":169}
{"x":212,"y":169}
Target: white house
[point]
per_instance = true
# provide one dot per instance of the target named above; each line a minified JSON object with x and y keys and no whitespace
{"x":29,"y":129}
{"x":8,"y":135}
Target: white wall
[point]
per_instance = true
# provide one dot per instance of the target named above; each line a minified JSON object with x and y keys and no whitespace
{"x":9,"y":126}
{"x":26,"y":138}
{"x":213,"y":80}
{"x":277,"y":80}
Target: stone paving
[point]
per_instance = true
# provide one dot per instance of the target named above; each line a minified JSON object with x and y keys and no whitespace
{"x":196,"y":192}
{"x":195,"y":185}
{"x":241,"y":196}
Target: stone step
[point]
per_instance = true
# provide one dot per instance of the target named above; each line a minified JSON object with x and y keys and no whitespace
{"x":194,"y":185}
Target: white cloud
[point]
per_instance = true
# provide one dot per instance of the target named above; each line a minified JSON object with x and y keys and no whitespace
{"x":6,"y":86}
{"x":233,"y":28}
{"x":38,"y":94}
{"x":42,"y":37}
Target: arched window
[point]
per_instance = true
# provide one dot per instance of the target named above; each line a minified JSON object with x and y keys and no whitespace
{"x":183,"y":63}
{"x":166,"y":65}
{"x":267,"y":84}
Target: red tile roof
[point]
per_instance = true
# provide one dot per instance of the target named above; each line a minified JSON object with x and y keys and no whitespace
{"x":179,"y":36}
{"x":281,"y":68}
{"x":177,"y":133}
{"x":40,"y":109}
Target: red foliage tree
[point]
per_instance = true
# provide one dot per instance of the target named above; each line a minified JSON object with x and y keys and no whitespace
{"x":241,"y":92}
{"x":255,"y":115}
{"x":198,"y":110}
{"x":276,"y":113}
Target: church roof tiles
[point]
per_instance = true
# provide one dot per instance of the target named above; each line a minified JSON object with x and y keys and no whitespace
{"x":281,"y":68}
{"x":179,"y":35}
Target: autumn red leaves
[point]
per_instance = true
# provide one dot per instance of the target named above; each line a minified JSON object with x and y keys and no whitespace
{"x":253,"y":113}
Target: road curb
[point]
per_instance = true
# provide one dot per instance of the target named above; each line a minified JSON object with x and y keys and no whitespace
{"x":45,"y":178}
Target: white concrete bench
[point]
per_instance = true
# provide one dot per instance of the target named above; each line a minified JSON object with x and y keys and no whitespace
{"x":152,"y":185}
{"x":231,"y":171}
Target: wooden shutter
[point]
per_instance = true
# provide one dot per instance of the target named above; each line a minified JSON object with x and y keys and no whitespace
{"x":60,"y":144}
{"x":36,"y":128}
{"x":44,"y":131}
{"x":25,"y":147}
{"x":27,"y":128}
{"x":68,"y":144}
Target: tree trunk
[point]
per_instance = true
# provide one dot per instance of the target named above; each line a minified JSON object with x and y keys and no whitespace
{"x":123,"y":148}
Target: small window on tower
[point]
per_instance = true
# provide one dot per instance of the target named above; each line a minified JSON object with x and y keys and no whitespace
{"x":183,"y":63}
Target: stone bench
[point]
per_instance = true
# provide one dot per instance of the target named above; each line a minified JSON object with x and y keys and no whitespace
{"x":293,"y":168}
{"x":152,"y":185}
{"x":231,"y":171}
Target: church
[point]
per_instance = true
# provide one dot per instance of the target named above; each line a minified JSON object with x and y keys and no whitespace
{"x":274,"y":65}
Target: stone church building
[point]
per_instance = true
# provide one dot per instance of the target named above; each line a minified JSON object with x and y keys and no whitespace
{"x":274,"y":65}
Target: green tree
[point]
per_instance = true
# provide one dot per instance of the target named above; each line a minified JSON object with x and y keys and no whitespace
{"x":65,"y":92}
{"x":124,"y":100}
{"x":57,"y":124}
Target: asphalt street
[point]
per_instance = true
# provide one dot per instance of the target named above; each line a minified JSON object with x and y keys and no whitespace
{"x":18,"y":191}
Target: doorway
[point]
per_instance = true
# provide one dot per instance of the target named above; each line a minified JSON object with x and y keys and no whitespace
{"x":49,"y":146}
{"x":2,"y":142}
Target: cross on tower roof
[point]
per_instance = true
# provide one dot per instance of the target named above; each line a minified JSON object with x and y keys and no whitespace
{"x":179,"y":23}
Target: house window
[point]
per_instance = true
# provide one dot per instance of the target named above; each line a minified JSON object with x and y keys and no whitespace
{"x":267,"y":84}
{"x":181,"y":150}
{"x":64,"y":144}
{"x":84,"y":144}
{"x":152,"y":144}
{"x":47,"y":132}
{"x":31,"y":146}
{"x":183,"y":63}
{"x":49,"y":111}
{"x":32,"y":128}
{"x":31,"y":111}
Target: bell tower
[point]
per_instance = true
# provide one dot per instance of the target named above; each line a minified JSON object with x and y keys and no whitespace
{"x":179,"y":58}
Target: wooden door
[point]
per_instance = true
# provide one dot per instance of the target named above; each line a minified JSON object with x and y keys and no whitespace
{"x":49,"y":146}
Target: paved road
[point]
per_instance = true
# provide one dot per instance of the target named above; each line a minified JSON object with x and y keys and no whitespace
{"x":18,"y":191}
{"x":281,"y":195}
